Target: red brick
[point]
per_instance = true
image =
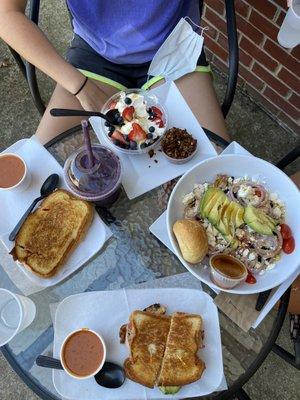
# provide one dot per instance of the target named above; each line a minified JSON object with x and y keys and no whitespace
{"x":223,"y":42}
{"x":244,"y":58}
{"x":264,"y":6}
{"x":215,"y":48}
{"x":212,"y":32}
{"x":264,"y":25}
{"x":282,"y":3}
{"x":241,"y":8}
{"x":281,"y":103}
{"x":295,"y":100}
{"x":270,"y":80}
{"x":296,"y":52}
{"x":215,"y":20}
{"x":250,"y":78}
{"x":280,"y":18}
{"x":282,"y":56}
{"x":216,"y":5}
{"x":289,"y":79}
{"x":258,"y":54}
{"x":221,"y":65}
{"x":249,"y":30}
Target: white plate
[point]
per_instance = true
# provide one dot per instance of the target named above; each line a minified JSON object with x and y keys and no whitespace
{"x":140,"y":172}
{"x":275,"y":181}
{"x":41,"y":164}
{"x":106,"y":311}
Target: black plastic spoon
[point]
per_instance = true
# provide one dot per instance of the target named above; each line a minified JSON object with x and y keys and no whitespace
{"x":50,"y":184}
{"x":110,"y":376}
{"x":112,"y":116}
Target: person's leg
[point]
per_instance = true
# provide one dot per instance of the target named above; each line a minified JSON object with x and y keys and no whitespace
{"x":50,"y":127}
{"x":198,"y":91}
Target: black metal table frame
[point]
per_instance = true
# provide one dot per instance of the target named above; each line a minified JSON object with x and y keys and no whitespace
{"x":236,"y":389}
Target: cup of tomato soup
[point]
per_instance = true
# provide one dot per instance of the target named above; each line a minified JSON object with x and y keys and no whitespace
{"x":83,"y":353}
{"x":14,"y":174}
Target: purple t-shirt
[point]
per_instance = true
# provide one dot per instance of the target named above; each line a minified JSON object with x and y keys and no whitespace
{"x":129,"y":31}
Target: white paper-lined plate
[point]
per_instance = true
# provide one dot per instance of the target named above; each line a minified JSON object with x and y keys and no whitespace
{"x":41,"y":164}
{"x":142,"y":173}
{"x":106,"y":311}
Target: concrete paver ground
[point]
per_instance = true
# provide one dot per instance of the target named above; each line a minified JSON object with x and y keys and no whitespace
{"x":248,"y":124}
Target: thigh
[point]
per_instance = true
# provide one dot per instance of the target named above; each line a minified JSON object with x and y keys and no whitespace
{"x":50,"y":127}
{"x":198,"y":91}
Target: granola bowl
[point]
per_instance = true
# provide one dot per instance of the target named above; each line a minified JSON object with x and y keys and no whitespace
{"x":263,"y":174}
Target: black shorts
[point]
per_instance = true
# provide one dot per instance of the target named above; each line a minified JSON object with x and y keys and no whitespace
{"x":121,"y":76}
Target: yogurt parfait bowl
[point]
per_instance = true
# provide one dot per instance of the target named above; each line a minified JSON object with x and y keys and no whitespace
{"x":142,"y":121}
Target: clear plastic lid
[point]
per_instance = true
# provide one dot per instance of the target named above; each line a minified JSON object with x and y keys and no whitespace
{"x":97,"y":181}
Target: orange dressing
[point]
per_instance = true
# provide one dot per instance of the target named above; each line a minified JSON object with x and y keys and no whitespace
{"x":228,"y":266}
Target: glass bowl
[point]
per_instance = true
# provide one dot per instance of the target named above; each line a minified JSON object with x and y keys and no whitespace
{"x":151,"y":100}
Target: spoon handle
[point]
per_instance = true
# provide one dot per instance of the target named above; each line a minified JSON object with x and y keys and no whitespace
{"x":65,"y":112}
{"x":16,"y":229}
{"x":48,"y":362}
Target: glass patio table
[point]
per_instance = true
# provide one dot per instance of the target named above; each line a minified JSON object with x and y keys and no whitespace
{"x":131,"y":256}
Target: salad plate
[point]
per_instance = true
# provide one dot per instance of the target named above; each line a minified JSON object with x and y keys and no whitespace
{"x":270,"y":182}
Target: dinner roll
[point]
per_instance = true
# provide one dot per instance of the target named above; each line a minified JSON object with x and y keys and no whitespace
{"x":192,"y":240}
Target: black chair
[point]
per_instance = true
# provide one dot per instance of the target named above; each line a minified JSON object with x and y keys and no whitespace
{"x":29,"y":71}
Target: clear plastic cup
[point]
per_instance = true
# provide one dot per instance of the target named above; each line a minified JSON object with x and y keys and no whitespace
{"x":16,"y":313}
{"x":151,"y":100}
{"x":100,"y":184}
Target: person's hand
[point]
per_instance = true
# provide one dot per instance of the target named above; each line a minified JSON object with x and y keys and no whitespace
{"x":91,"y":97}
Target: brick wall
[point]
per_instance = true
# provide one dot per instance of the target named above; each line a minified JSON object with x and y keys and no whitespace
{"x":267,"y":71}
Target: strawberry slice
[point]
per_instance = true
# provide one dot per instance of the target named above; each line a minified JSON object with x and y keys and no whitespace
{"x":156,"y":111}
{"x":112,"y":105}
{"x":117,"y":135}
{"x":128,"y":113}
{"x":137,"y":133}
{"x":159,"y":122}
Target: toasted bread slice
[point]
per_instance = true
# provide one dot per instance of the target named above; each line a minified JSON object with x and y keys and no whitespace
{"x":49,"y":234}
{"x":146,"y":336}
{"x":181,"y":364}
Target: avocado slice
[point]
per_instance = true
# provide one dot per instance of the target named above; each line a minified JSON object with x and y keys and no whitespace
{"x":211,"y":196}
{"x":215,"y":213}
{"x":207,"y":197}
{"x":227,"y":215}
{"x":258,"y":221}
{"x":169,"y":389}
{"x":237,"y":215}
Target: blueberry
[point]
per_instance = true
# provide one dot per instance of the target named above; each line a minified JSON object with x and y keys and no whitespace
{"x":151,"y":129}
{"x":150,"y":135}
{"x":106,"y":123}
{"x":143,"y":145}
{"x":120,"y":120}
{"x":117,"y":115}
{"x":111,"y":128}
{"x":128,"y":100}
{"x":110,"y":133}
{"x":133,"y":145}
{"x":116,"y":142}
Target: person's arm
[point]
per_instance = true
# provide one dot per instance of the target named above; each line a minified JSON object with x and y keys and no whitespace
{"x":30,"y":42}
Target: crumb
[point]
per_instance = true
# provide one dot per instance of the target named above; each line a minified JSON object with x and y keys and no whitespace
{"x":149,"y":166}
{"x":156,"y":161}
{"x":151,"y":153}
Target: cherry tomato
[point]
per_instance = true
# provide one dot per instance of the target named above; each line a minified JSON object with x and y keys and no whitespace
{"x":286,"y":232}
{"x":250,"y":279}
{"x":288,"y":245}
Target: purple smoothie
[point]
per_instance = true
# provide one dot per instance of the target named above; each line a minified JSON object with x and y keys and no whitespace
{"x":100,"y":184}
